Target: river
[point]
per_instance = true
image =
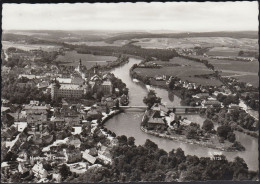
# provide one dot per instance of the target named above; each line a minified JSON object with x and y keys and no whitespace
{"x":128,"y":123}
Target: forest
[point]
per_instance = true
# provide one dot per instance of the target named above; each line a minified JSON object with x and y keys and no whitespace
{"x":129,"y":49}
{"x":150,"y":163}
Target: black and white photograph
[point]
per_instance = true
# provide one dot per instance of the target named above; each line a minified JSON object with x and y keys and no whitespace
{"x":130,"y":92}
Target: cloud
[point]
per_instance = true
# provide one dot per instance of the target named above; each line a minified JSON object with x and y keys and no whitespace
{"x":186,"y":16}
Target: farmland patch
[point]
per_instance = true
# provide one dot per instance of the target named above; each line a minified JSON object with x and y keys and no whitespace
{"x":89,"y":60}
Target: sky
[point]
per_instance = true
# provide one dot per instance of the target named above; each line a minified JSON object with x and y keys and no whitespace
{"x":174,"y":16}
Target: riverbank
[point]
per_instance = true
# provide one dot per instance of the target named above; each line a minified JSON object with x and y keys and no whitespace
{"x":110,"y":115}
{"x":189,"y":141}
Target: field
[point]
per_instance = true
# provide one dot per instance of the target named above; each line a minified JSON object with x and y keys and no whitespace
{"x":89,"y":60}
{"x":100,"y":43}
{"x":252,"y":79}
{"x":185,"y":71}
{"x":231,"y":43}
{"x":232,"y":65}
{"x":223,"y":51}
{"x":28,"y":47}
{"x":243,"y":71}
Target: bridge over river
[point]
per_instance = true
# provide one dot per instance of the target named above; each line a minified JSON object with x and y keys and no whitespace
{"x":183,"y":109}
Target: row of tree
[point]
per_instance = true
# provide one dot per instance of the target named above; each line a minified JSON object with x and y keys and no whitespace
{"x":150,"y":163}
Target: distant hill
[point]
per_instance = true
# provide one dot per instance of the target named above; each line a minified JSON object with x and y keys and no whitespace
{"x":111,"y":36}
{"x":241,"y":34}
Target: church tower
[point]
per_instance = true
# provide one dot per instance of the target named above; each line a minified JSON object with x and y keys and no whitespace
{"x":79,"y":67}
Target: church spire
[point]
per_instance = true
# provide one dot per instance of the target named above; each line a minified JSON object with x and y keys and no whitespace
{"x":80,"y":62}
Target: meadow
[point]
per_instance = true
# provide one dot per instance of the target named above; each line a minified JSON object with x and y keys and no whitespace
{"x":28,"y":47}
{"x":186,"y":70}
{"x":89,"y":60}
{"x":233,"y":65}
{"x":100,"y":43}
{"x":191,"y":42}
{"x":242,"y":71}
{"x":252,"y":79}
{"x":223,"y":51}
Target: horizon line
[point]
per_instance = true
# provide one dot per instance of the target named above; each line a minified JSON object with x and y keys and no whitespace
{"x":142,"y":30}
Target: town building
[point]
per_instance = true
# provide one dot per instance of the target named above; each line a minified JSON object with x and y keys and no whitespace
{"x":88,"y":157}
{"x":156,"y":121}
{"x":211,"y":103}
{"x":107,"y":87}
{"x":105,"y":155}
{"x":36,"y":114}
{"x":72,"y":156}
{"x":39,"y":171}
{"x":70,"y":91}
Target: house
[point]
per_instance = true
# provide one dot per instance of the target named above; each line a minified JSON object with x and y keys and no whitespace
{"x":23,"y":168}
{"x":108,"y":76}
{"x":20,"y":126}
{"x":5,"y":109}
{"x":73,"y":140}
{"x":72,"y":156}
{"x":77,"y":129}
{"x":161,"y":108}
{"x":107,"y":87}
{"x":79,"y":167}
{"x":96,"y":78}
{"x":201,"y":95}
{"x":64,"y":80}
{"x":59,"y":122}
{"x":56,"y":177}
{"x":211,"y":103}
{"x":43,"y":85}
{"x":36,"y":114}
{"x":160,"y":78}
{"x":39,"y":138}
{"x":105,"y":155}
{"x":93,"y":152}
{"x":77,"y":80}
{"x":10,"y":133}
{"x":233,"y":107}
{"x":39,"y":171}
{"x":114,"y":142}
{"x":72,"y":91}
{"x":5,"y":102}
{"x":23,"y":156}
{"x":156,"y":122}
{"x":6,"y":69}
{"x":94,"y":114}
{"x":88,"y":157}
{"x":30,"y":77}
{"x":117,"y":91}
{"x":109,"y":102}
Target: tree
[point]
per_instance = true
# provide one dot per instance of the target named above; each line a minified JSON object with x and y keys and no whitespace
{"x":231,"y":137}
{"x":223,"y":131}
{"x":150,"y":145}
{"x":151,"y":99}
{"x":191,"y":133}
{"x":122,"y":139}
{"x":131,"y":141}
{"x":107,"y":110}
{"x":207,"y":125}
{"x":180,"y":155}
{"x":64,"y":171}
{"x":172,"y":84}
{"x":117,"y":104}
